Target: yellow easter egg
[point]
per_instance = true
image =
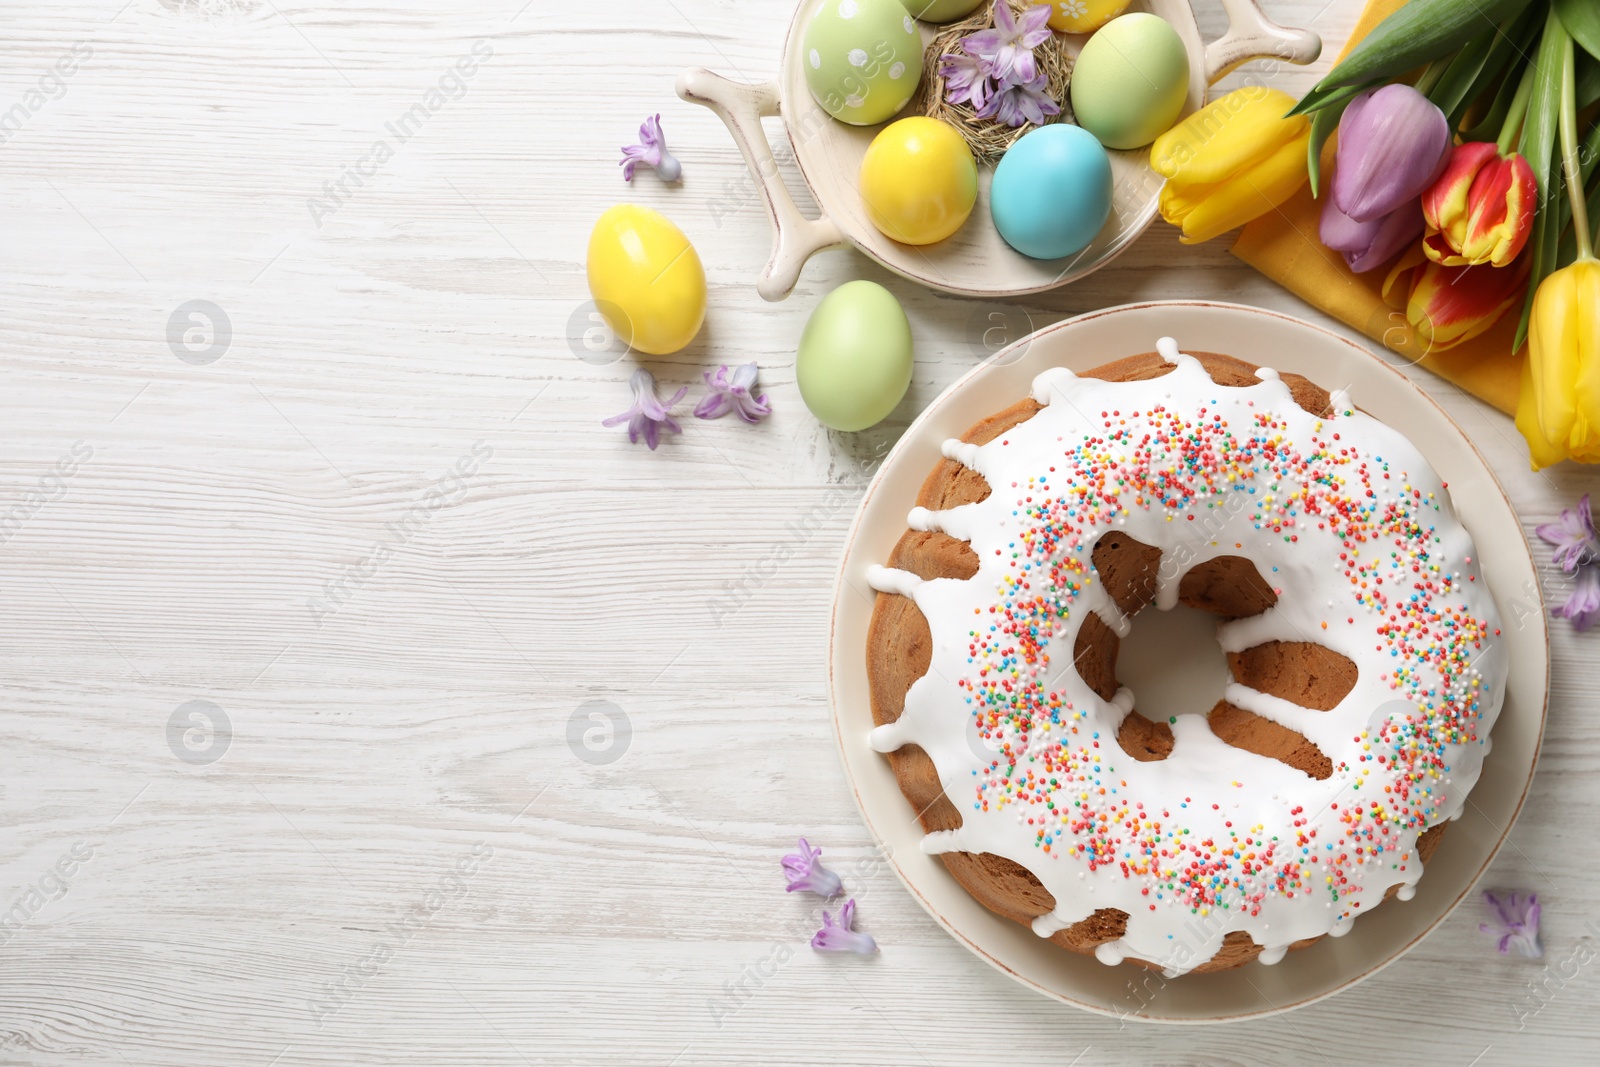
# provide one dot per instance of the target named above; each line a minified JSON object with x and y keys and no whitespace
{"x":1083,"y":16}
{"x":919,"y":181}
{"x":646,"y":279}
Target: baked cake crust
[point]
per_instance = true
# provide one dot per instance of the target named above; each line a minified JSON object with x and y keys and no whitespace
{"x":900,"y":642}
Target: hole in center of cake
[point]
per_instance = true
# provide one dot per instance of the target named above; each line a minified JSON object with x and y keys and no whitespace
{"x":1172,"y":663}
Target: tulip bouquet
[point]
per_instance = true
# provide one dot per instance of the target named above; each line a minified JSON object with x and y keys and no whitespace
{"x":1464,"y":167}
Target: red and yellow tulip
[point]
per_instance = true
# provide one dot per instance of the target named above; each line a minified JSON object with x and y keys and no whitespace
{"x":1481,"y":209}
{"x":1448,"y":306}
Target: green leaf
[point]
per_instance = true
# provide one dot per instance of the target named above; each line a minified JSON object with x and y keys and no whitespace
{"x":1582,"y":20}
{"x":1589,"y":155}
{"x":1546,"y":241}
{"x":1488,"y":126}
{"x":1587,"y":80}
{"x":1323,"y":123}
{"x":1449,"y":94}
{"x":1419,"y":32}
{"x":1544,"y":106}
{"x":1538,"y":146}
{"x":1515,"y":42}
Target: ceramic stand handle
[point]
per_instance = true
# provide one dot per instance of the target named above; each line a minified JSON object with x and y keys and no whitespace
{"x":1251,"y":35}
{"x":741,"y":107}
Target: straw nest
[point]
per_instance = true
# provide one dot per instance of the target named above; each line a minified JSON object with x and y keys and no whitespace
{"x":989,"y":139}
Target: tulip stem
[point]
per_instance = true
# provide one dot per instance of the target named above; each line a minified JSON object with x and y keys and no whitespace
{"x":1516,"y":113}
{"x":1569,"y":152}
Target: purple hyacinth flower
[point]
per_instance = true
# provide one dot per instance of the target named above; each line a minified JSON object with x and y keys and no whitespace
{"x":1393,"y":144}
{"x":651,"y":151}
{"x":648,"y":416}
{"x":1366,"y":245}
{"x":840,"y":938}
{"x":1009,"y":46}
{"x":1583,"y":606}
{"x":731,"y":392}
{"x":1515,"y":921}
{"x":807,"y":875}
{"x":967,"y":79}
{"x":1014,"y":104}
{"x":1574,"y":537}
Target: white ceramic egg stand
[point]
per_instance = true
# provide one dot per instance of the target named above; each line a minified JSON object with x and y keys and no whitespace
{"x":976,"y":261}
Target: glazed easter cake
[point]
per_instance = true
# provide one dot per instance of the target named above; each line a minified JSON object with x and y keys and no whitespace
{"x":1365,"y":655}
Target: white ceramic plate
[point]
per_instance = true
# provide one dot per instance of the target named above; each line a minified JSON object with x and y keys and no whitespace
{"x":975,"y":261}
{"x":1288,"y":344}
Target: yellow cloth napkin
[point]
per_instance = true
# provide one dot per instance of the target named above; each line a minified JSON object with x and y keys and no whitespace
{"x":1283,"y":245}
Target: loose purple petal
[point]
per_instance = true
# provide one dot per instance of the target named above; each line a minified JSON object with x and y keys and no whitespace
{"x":1515,"y":921}
{"x":731,"y":392}
{"x":1008,"y":47}
{"x":713,"y":406}
{"x":981,"y":45}
{"x":1016,"y":104}
{"x":1583,"y":606}
{"x":648,"y":416}
{"x":839,"y":937}
{"x":1573,"y":537}
{"x":651,"y":151}
{"x":966,"y":79}
{"x":807,"y":874}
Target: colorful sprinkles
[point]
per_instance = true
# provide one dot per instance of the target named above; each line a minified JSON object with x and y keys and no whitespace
{"x":1060,"y":776}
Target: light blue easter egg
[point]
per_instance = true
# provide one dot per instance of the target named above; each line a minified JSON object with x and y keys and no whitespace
{"x":1051,"y":191}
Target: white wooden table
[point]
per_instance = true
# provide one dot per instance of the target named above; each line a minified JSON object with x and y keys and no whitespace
{"x":393,"y":845}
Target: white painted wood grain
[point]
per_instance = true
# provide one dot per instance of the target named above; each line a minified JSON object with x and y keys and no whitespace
{"x":293,"y":902}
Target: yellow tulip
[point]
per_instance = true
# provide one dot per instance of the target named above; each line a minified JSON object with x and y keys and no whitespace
{"x":1559,"y":409}
{"x":1233,"y":160}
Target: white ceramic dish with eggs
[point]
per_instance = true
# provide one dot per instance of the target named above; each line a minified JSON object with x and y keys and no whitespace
{"x":975,"y":261}
{"x":1332,"y":964}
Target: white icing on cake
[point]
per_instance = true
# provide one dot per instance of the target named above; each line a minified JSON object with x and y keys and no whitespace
{"x":1357,"y":536}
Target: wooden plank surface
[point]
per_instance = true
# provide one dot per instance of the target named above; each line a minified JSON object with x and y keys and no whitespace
{"x":384,"y":535}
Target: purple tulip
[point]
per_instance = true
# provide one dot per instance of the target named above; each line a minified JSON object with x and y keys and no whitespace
{"x":1366,"y":245}
{"x":1393,"y":144}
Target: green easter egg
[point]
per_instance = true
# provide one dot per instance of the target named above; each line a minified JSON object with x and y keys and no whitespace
{"x":1130,"y":81}
{"x":862,"y":58}
{"x":855,"y":358}
{"x":941,"y":10}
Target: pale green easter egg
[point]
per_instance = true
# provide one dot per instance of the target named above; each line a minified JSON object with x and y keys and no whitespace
{"x":1130,"y":81}
{"x":855,"y":359}
{"x":862,"y":58}
{"x":941,"y":10}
